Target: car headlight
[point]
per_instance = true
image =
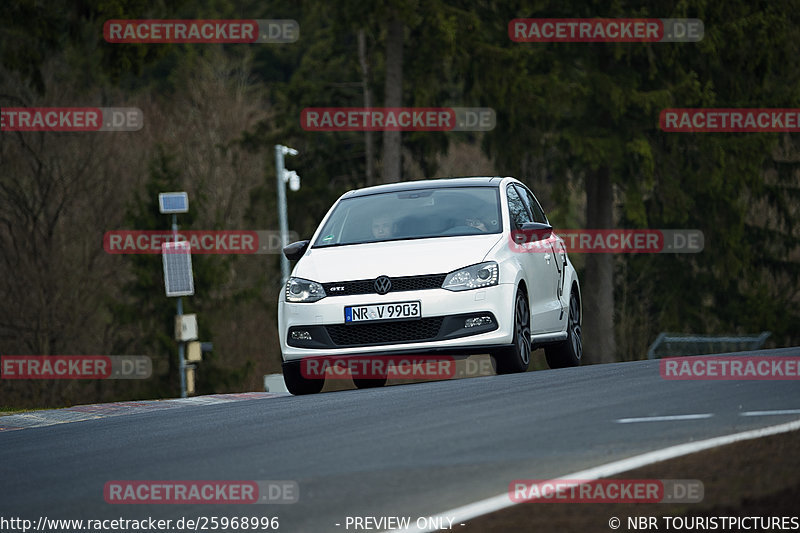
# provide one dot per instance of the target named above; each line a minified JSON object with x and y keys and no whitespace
{"x":472,"y":277}
{"x":303,"y":290}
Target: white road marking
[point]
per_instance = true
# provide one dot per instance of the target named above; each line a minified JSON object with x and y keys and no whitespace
{"x":769,"y":413}
{"x":664,"y":418}
{"x":502,"y":501}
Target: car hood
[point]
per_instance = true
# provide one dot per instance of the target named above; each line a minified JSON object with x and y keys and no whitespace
{"x":394,"y":258}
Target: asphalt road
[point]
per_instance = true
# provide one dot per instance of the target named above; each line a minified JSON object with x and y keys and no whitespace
{"x":411,"y":450}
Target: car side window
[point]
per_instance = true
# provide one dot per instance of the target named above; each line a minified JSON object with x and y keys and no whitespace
{"x":516,"y":208}
{"x":533,"y":205}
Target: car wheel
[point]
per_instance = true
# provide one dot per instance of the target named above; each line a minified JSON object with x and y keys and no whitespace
{"x":369,"y":383}
{"x":568,"y":352}
{"x":296,"y":383}
{"x":517,"y":357}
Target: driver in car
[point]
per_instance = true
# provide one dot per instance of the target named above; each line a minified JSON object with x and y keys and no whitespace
{"x":382,"y":227}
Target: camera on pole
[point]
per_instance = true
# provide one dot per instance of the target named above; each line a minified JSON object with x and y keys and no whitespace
{"x":284,"y":177}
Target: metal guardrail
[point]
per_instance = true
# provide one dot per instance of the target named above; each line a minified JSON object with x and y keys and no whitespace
{"x":674,"y":344}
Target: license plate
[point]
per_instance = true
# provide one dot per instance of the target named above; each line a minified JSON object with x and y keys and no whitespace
{"x":393,"y":311}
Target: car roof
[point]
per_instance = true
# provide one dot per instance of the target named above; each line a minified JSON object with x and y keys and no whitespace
{"x":471,"y":181}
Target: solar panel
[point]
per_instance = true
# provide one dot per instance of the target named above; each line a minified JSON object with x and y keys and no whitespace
{"x":177,"y":258}
{"x":173,"y":202}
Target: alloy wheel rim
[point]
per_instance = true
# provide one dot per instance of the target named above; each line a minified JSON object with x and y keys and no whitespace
{"x":523,"y":331}
{"x":575,"y":327}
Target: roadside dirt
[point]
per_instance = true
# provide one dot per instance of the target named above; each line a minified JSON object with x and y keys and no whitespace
{"x":752,"y":478}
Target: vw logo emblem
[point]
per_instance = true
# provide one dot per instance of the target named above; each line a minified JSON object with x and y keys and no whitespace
{"x":383,"y":284}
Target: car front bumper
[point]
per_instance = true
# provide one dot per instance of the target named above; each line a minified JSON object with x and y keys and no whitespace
{"x":441,"y":328}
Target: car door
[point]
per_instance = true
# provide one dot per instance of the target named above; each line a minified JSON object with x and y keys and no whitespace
{"x":554,"y":257}
{"x":538,"y":267}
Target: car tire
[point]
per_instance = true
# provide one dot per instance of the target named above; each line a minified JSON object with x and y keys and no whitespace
{"x":569,"y":352}
{"x":516,"y":358}
{"x":369,"y":383}
{"x":296,"y":383}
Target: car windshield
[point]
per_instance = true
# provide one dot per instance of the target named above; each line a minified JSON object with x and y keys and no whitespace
{"x":413,"y":214}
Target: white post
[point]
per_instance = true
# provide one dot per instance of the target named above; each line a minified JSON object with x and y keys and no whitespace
{"x":282,"y":178}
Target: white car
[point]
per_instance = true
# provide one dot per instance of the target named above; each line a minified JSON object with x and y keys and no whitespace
{"x":450,"y":266}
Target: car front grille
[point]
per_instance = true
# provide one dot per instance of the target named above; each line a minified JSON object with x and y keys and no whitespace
{"x":399,"y":284}
{"x":385,"y":333}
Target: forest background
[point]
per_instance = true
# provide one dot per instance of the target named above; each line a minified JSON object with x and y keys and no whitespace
{"x":577,"y":122}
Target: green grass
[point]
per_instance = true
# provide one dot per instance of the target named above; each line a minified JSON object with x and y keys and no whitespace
{"x":5,"y":410}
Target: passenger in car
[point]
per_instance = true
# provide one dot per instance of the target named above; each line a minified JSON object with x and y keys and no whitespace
{"x":477,"y":223}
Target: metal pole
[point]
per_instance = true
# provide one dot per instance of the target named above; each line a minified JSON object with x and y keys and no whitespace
{"x":284,"y":225}
{"x":181,"y":360}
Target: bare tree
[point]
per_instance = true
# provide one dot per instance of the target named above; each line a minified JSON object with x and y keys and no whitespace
{"x":393,"y":97}
{"x":365,"y":79}
{"x":59,"y":192}
{"x":598,"y":286}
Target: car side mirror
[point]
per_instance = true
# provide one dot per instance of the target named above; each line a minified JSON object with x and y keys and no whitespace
{"x":537,"y":231}
{"x":295,"y":251}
